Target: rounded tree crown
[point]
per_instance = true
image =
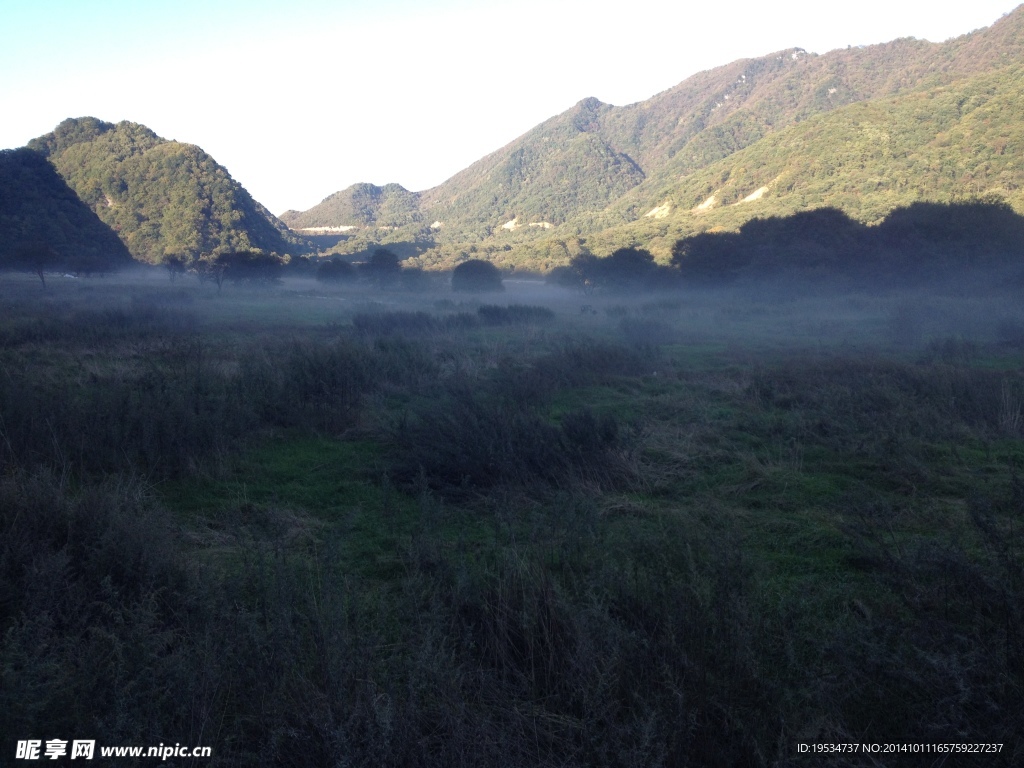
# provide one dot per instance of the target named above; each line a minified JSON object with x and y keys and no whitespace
{"x":476,"y":275}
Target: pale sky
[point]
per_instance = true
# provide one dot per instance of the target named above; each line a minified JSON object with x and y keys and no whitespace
{"x":300,"y":99}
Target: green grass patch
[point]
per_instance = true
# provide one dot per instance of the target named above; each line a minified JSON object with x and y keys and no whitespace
{"x":323,"y":477}
{"x":342,"y":491}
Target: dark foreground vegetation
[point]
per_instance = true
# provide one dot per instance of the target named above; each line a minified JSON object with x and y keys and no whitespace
{"x":304,"y":528}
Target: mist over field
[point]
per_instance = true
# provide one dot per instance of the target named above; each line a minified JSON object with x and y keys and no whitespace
{"x":308,"y":522}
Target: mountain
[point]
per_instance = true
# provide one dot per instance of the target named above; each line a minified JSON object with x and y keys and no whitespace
{"x":565,"y":165}
{"x":361,"y":205}
{"x":161,"y":197}
{"x":37,"y":206}
{"x":864,"y":129}
{"x":954,"y":141}
{"x":704,"y":119}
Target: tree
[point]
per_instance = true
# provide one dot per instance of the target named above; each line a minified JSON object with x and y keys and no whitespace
{"x":240,"y":266}
{"x":476,"y":276}
{"x":175,"y":266}
{"x":299,"y":265}
{"x":625,"y":270}
{"x":252,"y":266}
{"x":710,"y":257}
{"x":578,"y":275}
{"x":383,"y":269}
{"x":211,"y":267}
{"x":34,"y":256}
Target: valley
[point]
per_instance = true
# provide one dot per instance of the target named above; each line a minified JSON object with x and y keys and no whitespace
{"x":688,"y":432}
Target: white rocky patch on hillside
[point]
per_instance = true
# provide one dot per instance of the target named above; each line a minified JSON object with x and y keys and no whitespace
{"x":659,"y":212}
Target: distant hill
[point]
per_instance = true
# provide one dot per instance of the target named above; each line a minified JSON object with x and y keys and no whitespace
{"x":361,"y":205}
{"x":864,"y":129}
{"x":567,"y":164}
{"x":948,"y":143}
{"x":37,"y":206}
{"x":161,"y":197}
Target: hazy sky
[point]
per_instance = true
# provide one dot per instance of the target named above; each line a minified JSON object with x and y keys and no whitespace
{"x":299,"y":99}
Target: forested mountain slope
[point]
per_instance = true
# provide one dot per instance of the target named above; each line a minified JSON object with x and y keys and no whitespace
{"x":864,"y":129}
{"x":161,"y":197}
{"x":637,"y":153}
{"x":361,"y":205}
{"x":957,"y":141}
{"x":37,"y":207}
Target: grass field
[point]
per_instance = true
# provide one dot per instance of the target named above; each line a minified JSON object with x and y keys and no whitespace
{"x":316,"y":527}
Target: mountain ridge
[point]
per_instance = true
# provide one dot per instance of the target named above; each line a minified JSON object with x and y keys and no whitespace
{"x":163,"y":198}
{"x":862,"y":129}
{"x":596,"y":168}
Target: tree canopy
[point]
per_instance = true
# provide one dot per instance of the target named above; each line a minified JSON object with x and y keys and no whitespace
{"x":913,"y":243}
{"x":383,"y":269}
{"x":477,"y":276}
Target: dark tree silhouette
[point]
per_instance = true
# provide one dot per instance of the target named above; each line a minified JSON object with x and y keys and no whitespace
{"x":627,"y":269}
{"x":175,"y":266}
{"x":476,"y":276}
{"x":710,"y":257}
{"x":578,"y":275}
{"x":923,"y":241}
{"x":36,"y":256}
{"x":241,"y":267}
{"x":252,"y":267}
{"x":383,"y":269}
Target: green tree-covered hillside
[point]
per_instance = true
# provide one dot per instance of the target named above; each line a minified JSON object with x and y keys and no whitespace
{"x":563,"y":166}
{"x":952,"y":142}
{"x":361,"y":205}
{"x":864,"y":129}
{"x":161,"y":197}
{"x":38,"y":208}
{"x":594,"y":154}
